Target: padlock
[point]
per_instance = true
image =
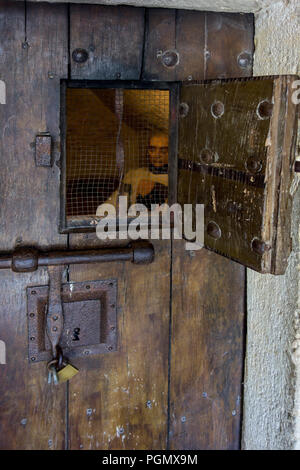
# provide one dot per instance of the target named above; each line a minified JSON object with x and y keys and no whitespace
{"x":66,"y":372}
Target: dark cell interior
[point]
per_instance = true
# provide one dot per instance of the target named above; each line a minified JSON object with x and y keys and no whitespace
{"x":117,"y":144}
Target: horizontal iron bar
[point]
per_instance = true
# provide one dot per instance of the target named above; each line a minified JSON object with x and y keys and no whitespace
{"x":29,"y":259}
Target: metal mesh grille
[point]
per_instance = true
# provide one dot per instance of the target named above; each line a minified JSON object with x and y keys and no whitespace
{"x":117,"y":144}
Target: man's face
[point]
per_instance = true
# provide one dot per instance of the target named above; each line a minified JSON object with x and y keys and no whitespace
{"x":158,"y":150}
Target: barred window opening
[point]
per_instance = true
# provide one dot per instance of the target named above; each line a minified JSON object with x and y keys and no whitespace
{"x":117,"y":144}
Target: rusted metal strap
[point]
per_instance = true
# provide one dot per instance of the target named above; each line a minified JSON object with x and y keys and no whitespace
{"x":54,"y":317}
{"x":227,"y":173}
{"x":29,"y":259}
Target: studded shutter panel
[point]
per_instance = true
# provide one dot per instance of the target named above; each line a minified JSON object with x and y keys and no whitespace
{"x":236,"y":156}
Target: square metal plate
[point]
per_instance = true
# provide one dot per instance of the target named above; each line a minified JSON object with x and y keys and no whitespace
{"x":90,"y":319}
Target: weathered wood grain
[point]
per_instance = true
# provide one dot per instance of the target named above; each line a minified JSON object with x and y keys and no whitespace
{"x":120,"y":400}
{"x":229,"y":42}
{"x":31,"y":68}
{"x":206,"y":350}
{"x":208,"y":311}
{"x":32,"y":414}
{"x":175,"y":31}
{"x":113,"y":38}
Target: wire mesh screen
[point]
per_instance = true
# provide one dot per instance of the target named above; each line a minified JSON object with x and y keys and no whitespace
{"x":117,"y":144}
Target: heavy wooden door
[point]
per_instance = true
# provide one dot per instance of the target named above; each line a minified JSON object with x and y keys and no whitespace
{"x":175,"y":380}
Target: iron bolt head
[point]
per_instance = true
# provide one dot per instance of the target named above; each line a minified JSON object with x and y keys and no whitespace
{"x":80,"y":55}
{"x":253,"y":165}
{"x":264,"y":109}
{"x":259,"y":247}
{"x":244,"y":60}
{"x":214,"y":230}
{"x":207,"y":156}
{"x":170,"y":58}
{"x":183,"y":109}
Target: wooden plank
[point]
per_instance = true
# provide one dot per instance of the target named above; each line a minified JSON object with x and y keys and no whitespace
{"x":32,"y":413}
{"x":190,"y":43}
{"x":206,"y":369}
{"x":113,"y":38}
{"x":206,"y":351}
{"x":160,"y":36}
{"x":31,"y":69}
{"x":119,"y":400}
{"x":180,"y":31}
{"x":229,"y":45}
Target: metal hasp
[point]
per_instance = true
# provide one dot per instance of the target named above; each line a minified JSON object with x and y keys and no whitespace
{"x":27,"y":259}
{"x":79,"y":318}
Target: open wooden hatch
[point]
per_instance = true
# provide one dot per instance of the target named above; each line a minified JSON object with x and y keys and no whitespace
{"x":237,"y":143}
{"x":235,"y":154}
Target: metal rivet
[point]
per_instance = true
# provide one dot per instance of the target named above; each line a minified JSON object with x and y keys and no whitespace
{"x":217,"y":109}
{"x":24,"y":421}
{"x":244,"y":60}
{"x":207,"y":156}
{"x":33,"y":292}
{"x":89,"y":411}
{"x":110,"y":348}
{"x":118,"y":76}
{"x":31,"y":315}
{"x":88,"y":287}
{"x":170,"y":58}
{"x":33,"y":358}
{"x":213,"y":230}
{"x":80,"y":55}
{"x":253,"y":165}
{"x":91,"y":48}
{"x":25,"y":45}
{"x":32,"y":338}
{"x":112,"y":328}
{"x":264,"y":109}
{"x":55,"y":317}
{"x":51,"y":75}
{"x":54,"y":328}
{"x":86,"y":352}
{"x":183,"y":419}
{"x":149,"y":404}
{"x":121,"y":430}
{"x":259,"y":247}
{"x":183,"y":109}
{"x":190,"y":78}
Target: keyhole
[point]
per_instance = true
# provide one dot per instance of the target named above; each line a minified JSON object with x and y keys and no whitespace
{"x":76,"y":332}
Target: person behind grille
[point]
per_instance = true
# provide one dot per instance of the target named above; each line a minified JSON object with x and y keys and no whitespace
{"x":147,"y":185}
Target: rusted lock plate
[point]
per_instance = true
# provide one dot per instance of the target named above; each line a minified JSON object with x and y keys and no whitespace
{"x":90,"y":319}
